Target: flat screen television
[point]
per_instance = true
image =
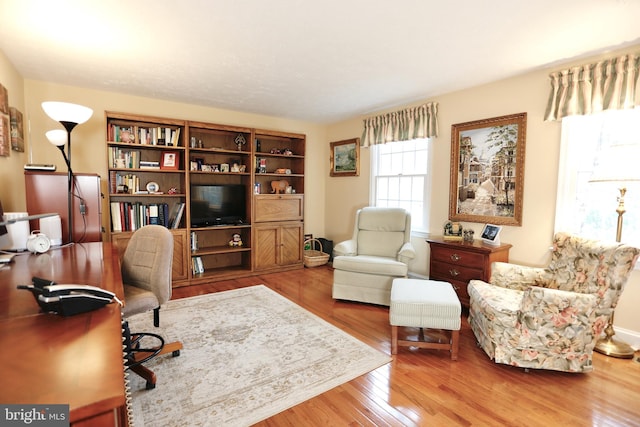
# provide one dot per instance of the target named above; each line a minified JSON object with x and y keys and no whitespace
{"x":218,"y":204}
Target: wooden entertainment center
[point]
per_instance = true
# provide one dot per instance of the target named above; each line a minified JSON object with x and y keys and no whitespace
{"x":155,"y":166}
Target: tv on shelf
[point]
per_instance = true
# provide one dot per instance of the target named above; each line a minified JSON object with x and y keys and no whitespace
{"x":218,"y":204}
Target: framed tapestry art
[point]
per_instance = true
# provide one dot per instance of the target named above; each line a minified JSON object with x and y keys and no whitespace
{"x":487,"y":170}
{"x":345,"y":157}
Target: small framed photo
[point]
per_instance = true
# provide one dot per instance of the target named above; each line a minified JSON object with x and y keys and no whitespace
{"x":224,"y":167}
{"x":491,"y":234}
{"x":170,"y":160}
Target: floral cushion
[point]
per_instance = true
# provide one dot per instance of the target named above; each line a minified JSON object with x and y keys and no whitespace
{"x":550,"y":318}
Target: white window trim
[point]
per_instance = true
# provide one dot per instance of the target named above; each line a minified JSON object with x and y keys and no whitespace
{"x":417,"y":233}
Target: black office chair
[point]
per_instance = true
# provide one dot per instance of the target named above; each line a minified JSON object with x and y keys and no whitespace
{"x":146,"y":275}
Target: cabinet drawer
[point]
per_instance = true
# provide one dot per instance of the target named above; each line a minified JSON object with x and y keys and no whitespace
{"x":448,"y":272}
{"x":280,"y":207}
{"x":456,"y":256}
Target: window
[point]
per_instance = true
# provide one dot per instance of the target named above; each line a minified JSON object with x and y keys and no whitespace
{"x":400,"y":178}
{"x":589,"y":208}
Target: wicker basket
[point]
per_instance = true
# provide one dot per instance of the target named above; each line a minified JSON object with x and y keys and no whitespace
{"x":313,"y":258}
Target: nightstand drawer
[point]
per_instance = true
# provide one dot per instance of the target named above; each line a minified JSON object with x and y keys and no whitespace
{"x":448,"y":271}
{"x":457,"y":256}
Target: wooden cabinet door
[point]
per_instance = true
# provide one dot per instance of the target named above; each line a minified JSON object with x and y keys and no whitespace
{"x":266,"y":243}
{"x":179,"y":267}
{"x":291,"y":244}
{"x":277,"y":245}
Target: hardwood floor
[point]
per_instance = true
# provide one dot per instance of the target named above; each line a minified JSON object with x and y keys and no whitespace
{"x":424,"y":387}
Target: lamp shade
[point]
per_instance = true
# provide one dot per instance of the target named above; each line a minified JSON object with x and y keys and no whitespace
{"x":619,"y":163}
{"x":57,"y":137}
{"x":67,"y":112}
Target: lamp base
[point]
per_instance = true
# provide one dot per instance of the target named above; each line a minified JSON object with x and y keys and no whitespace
{"x":614,"y":348}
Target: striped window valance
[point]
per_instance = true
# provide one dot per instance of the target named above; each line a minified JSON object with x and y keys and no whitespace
{"x":403,"y":125}
{"x":605,"y":85}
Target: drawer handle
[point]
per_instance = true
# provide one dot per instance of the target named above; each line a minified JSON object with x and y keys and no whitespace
{"x":455,"y":257}
{"x":453,"y":272}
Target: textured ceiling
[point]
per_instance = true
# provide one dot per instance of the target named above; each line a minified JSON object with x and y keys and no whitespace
{"x":320,"y":61}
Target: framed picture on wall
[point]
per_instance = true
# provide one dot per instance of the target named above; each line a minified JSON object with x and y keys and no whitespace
{"x":5,"y":135}
{"x":345,"y":157}
{"x":17,"y":130}
{"x":487,"y":170}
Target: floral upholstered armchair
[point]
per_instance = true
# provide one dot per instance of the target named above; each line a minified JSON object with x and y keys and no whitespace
{"x":551,"y":318}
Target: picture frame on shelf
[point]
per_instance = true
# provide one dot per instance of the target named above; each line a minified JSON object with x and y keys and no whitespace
{"x":491,"y":234}
{"x":170,"y":160}
{"x":345,"y":157}
{"x":487,"y":170}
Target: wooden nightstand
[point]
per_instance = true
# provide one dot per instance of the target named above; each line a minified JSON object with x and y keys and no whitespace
{"x":459,"y":262}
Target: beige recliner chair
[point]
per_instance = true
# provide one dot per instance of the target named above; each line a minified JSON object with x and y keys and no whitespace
{"x":378,"y":252}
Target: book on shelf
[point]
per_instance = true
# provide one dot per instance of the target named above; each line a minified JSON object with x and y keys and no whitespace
{"x":197,"y":266}
{"x":143,"y":135}
{"x":124,"y":158}
{"x":129,"y":216}
{"x":176,"y":215}
{"x":149,"y":164}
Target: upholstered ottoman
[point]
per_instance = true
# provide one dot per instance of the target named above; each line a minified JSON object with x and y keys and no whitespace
{"x":427,"y":304}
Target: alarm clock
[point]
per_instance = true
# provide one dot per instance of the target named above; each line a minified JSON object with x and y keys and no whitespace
{"x":38,"y":243}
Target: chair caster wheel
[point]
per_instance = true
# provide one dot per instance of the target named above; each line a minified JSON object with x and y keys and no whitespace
{"x":175,"y":353}
{"x":150,"y":386}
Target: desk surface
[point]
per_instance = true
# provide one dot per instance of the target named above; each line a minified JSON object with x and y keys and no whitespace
{"x":95,"y":264}
{"x":46,"y":358}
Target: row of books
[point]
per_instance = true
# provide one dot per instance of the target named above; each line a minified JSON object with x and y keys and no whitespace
{"x":124,"y":159}
{"x":197,"y":267}
{"x":130,"y":180}
{"x":156,"y":135}
{"x":130,"y":216}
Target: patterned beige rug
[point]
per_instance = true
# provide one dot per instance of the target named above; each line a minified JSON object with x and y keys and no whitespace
{"x":248,"y":354}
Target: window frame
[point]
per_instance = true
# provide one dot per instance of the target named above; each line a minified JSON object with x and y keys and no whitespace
{"x":589,"y":208}
{"x":418,"y":228}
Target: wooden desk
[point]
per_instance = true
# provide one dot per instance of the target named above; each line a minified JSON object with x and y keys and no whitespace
{"x":77,"y":360}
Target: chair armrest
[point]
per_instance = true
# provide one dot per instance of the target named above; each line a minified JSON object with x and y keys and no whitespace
{"x":348,"y":247}
{"x":514,"y":276}
{"x":407,"y":253}
{"x":558,"y":318}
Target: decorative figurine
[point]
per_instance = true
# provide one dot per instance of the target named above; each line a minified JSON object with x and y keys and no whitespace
{"x":236,"y":240}
{"x":240,"y":141}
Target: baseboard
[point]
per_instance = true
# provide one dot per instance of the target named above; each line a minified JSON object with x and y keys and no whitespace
{"x":630,"y":337}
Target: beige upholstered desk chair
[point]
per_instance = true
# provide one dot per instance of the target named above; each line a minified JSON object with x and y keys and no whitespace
{"x":378,"y":252}
{"x":146,"y":275}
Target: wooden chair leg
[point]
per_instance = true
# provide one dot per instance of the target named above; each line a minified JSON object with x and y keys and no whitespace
{"x":455,"y":341}
{"x":394,"y":339}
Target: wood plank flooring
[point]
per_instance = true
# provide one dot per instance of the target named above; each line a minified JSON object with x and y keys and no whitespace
{"x":426,"y":388}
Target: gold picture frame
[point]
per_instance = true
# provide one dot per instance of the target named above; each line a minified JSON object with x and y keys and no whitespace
{"x":345,"y":157}
{"x":487,"y":170}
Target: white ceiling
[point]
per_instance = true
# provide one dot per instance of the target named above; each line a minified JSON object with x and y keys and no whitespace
{"x":321,"y":61}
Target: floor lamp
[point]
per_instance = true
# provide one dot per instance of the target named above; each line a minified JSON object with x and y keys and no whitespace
{"x":69,"y":116}
{"x":617,"y":165}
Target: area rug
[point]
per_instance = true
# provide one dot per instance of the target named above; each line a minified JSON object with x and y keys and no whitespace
{"x":248,"y":354}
